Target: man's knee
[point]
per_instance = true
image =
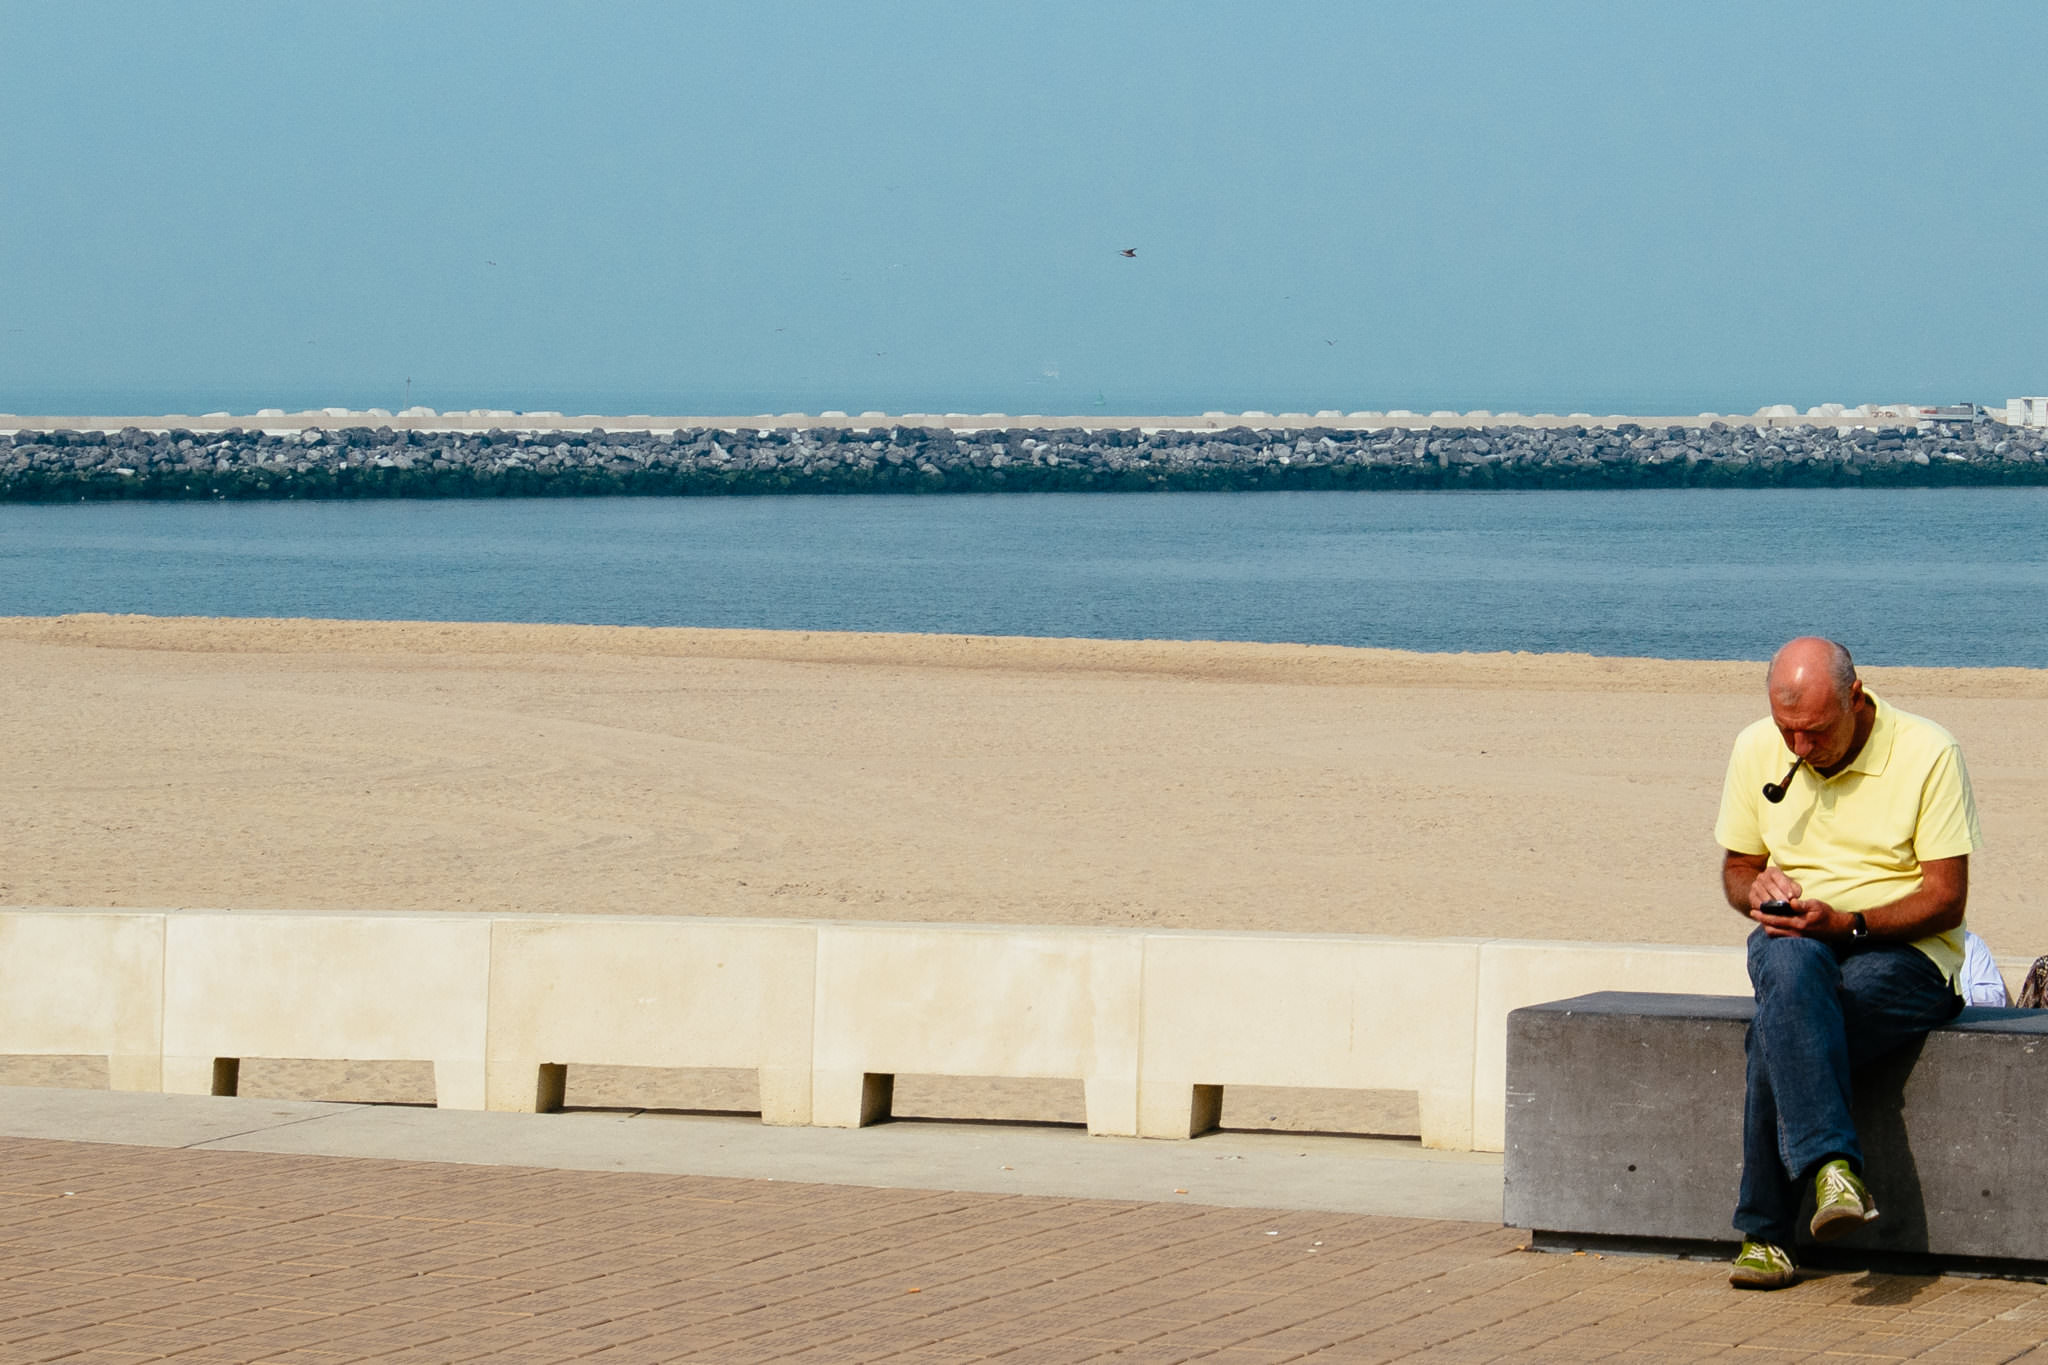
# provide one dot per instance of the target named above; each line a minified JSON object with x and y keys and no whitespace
{"x":1778,"y":963}
{"x":1897,"y":988}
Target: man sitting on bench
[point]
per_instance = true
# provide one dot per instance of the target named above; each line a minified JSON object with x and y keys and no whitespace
{"x":1855,"y":865}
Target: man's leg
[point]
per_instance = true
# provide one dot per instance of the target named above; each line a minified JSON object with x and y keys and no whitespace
{"x":1892,"y":994}
{"x":1769,"y":1203}
{"x":1797,"y":1106}
{"x":1876,"y":1000}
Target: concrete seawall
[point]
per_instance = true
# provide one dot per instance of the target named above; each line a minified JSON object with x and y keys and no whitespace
{"x":70,"y":461}
{"x":1154,"y":1024}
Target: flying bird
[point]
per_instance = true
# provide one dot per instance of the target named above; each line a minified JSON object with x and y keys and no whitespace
{"x":1128,"y":251}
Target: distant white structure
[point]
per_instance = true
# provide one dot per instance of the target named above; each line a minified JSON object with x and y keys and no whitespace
{"x":2026,"y":412}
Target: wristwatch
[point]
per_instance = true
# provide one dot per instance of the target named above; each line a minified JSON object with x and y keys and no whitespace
{"x":1857,"y":928}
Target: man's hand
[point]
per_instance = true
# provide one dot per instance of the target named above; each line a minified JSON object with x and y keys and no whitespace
{"x":1803,"y":918}
{"x":1752,"y":882}
{"x":1808,"y":919}
{"x":1771,"y":884}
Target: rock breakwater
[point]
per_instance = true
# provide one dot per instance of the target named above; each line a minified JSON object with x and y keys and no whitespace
{"x":363,"y":462}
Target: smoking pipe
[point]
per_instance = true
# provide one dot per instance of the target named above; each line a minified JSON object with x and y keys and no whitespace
{"x":1774,"y":792}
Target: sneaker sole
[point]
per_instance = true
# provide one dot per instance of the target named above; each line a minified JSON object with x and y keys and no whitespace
{"x":1757,"y":1279}
{"x":1839,"y":1223}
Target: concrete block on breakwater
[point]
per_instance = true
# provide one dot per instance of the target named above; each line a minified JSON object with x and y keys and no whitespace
{"x":136,"y":463}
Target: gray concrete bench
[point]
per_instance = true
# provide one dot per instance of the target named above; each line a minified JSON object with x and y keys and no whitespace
{"x":1624,"y":1130}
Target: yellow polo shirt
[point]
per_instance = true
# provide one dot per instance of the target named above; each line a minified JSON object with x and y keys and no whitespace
{"x":1856,"y":840}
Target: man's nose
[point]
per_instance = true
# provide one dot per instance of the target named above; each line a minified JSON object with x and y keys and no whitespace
{"x":1801,"y":745}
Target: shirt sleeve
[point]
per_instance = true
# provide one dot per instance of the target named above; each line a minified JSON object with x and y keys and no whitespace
{"x":1736,"y":828}
{"x":1982,"y":984}
{"x":1948,"y":811}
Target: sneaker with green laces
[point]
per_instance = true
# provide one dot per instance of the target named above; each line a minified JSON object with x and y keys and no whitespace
{"x":1841,"y":1203}
{"x":1760,"y":1265}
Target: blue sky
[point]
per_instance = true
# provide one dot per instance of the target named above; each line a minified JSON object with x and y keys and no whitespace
{"x":919,"y":206}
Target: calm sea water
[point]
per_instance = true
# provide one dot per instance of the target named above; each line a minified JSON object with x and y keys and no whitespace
{"x":1904,"y":576}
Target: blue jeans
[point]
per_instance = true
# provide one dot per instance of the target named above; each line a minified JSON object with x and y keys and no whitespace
{"x":1821,"y":1010}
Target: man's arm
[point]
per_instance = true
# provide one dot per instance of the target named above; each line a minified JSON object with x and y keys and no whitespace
{"x":1935,"y":908}
{"x":1748,"y":880}
{"x":1739,"y":873}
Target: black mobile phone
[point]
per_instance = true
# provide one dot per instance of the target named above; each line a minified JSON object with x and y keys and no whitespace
{"x":1776,"y":907}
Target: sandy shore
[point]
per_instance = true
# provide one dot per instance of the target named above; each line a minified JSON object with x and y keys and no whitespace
{"x":344,"y":765}
{"x":579,"y":769}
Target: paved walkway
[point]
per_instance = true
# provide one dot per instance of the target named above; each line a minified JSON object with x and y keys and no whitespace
{"x":1250,"y":1170}
{"x":123,"y":1253}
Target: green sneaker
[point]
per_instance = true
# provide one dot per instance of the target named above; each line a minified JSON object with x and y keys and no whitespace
{"x":1762,"y":1266}
{"x":1841,"y":1204}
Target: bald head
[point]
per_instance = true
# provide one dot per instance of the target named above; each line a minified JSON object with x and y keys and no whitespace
{"x":1817,"y":703}
{"x":1810,"y":663}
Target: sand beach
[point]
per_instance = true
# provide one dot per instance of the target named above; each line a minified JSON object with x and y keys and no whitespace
{"x":562,"y":769}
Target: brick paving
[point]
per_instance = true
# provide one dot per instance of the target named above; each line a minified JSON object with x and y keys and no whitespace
{"x":123,"y":1254}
